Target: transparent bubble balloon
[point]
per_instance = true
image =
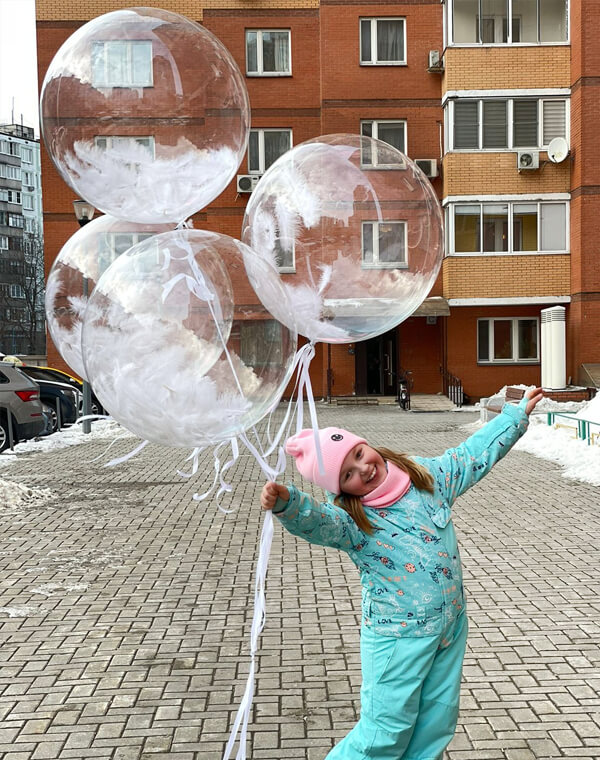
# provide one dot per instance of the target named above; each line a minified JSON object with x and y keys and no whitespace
{"x":355,"y":229}
{"x":74,"y":274}
{"x":176,"y":344}
{"x":145,"y":114}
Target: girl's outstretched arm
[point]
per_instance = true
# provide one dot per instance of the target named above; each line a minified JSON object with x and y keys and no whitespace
{"x":461,"y":467}
{"x":320,"y":523}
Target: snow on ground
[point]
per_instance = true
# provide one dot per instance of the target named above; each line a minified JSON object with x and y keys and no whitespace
{"x":579,"y":459}
{"x":15,"y":495}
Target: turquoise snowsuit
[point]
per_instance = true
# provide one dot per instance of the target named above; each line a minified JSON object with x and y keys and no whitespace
{"x":414,"y":625}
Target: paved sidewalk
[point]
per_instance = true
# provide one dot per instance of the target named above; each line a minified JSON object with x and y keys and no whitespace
{"x":137,"y":605}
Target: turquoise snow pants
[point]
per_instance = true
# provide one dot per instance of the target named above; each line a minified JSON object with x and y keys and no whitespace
{"x":409,"y":696}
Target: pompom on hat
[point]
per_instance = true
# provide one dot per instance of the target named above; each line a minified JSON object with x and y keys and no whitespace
{"x":335,"y":445}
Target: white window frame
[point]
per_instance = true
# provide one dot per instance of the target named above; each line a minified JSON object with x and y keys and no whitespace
{"x":449,"y":31}
{"x":26,"y":155}
{"x":129,"y":50}
{"x":511,"y":201}
{"x":4,"y":243}
{"x":9,"y":171}
{"x":510,"y":147}
{"x":375,"y":134}
{"x":15,"y":220}
{"x":16,"y":290}
{"x":514,"y":339}
{"x":261,"y":146}
{"x":290,"y":268}
{"x":373,"y":61}
{"x":27,"y":202}
{"x":14,"y":196}
{"x":146,"y":141}
{"x":376,"y":264}
{"x":259,"y":54}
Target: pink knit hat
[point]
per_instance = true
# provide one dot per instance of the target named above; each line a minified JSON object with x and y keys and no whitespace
{"x":335,"y":444}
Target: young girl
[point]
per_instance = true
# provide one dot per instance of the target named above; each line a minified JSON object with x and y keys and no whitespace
{"x":391,"y":513}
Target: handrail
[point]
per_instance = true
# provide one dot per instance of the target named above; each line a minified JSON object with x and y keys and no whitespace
{"x":453,"y":387}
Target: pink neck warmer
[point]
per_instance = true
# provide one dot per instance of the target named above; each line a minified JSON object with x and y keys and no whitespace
{"x":395,"y":485}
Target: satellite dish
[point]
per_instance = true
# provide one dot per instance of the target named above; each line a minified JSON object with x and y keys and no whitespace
{"x":558,"y":150}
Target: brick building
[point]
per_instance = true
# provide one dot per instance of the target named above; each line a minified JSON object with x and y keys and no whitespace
{"x":477,"y":89}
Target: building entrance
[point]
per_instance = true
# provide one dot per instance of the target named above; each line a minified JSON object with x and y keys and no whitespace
{"x":377,"y":358}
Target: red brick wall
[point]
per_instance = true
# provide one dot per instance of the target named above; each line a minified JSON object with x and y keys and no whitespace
{"x":483,"y":380}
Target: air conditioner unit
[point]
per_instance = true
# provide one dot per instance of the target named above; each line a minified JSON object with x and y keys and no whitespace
{"x":528,"y":159}
{"x":247,"y":182}
{"x":436,"y":62}
{"x":429,"y":166}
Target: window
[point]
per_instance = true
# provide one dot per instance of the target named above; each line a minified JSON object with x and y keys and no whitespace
{"x":29,"y":225}
{"x":268,"y":52}
{"x":113,"y":244}
{"x":28,"y":178}
{"x":497,"y":22}
{"x":265,"y":146}
{"x":9,"y":148}
{"x":28,"y":202}
{"x":122,"y":63}
{"x":508,"y":227}
{"x":382,"y":41}
{"x":15,"y":220}
{"x":114,"y":141}
{"x":392,"y":132}
{"x":503,"y":341}
{"x":383,"y":244}
{"x":261,"y":343}
{"x":26,"y":155}
{"x":285,"y":256}
{"x":507,"y":124}
{"x":10,"y":196}
{"x":8,"y":171}
{"x":16,"y":291}
{"x":3,"y":242}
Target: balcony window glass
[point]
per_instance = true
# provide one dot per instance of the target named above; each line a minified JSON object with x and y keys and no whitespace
{"x":525,"y":227}
{"x":466,"y":124}
{"x":465,"y":18}
{"x":553,"y":20}
{"x":494,"y":124}
{"x":467,"y":229}
{"x":525,"y":123}
{"x":554,"y":227}
{"x":495,"y":227}
{"x":554,"y":119}
{"x":497,"y":22}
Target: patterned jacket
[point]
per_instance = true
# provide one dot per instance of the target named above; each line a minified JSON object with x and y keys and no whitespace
{"x":410,"y":567}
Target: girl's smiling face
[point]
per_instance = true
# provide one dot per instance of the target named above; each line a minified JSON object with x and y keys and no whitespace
{"x":362,"y":471}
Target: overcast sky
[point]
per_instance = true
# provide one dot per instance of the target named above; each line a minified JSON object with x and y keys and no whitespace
{"x":18,"y":63}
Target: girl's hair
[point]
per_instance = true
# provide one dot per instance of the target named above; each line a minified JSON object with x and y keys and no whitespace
{"x":420,"y":477}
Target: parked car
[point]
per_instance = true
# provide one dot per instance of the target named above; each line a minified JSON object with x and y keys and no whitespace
{"x":55,"y":396}
{"x":57,"y":375}
{"x":20,"y":403}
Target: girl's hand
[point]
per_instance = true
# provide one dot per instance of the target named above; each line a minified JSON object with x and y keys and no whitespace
{"x":534,"y":395}
{"x":271,"y":492}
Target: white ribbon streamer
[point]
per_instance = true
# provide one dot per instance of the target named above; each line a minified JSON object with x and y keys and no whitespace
{"x":303,"y":384}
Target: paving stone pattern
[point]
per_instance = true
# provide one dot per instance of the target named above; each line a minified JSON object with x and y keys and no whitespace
{"x":137,"y":603}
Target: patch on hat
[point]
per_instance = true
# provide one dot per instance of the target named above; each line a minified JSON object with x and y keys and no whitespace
{"x":337,"y":437}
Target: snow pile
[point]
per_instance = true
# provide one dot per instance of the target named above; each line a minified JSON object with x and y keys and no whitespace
{"x":16,"y":495}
